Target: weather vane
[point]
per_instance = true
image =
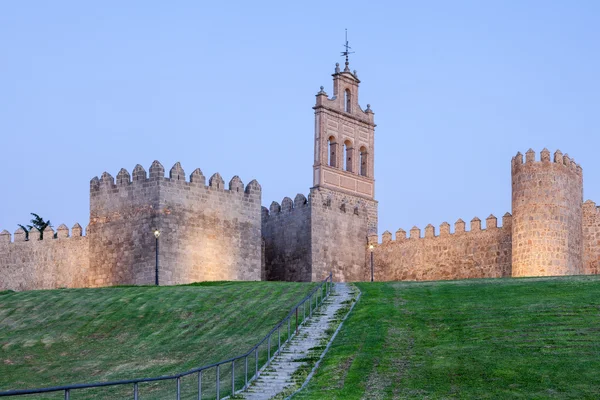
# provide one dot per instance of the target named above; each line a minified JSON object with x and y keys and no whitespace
{"x":348,"y":48}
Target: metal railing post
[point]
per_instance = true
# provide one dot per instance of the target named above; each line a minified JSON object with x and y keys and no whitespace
{"x":67,"y":394}
{"x":178,"y":388}
{"x":278,"y":339}
{"x":289,"y":329}
{"x":246,"y":374}
{"x":233,"y":377}
{"x":296,"y":321}
{"x":218,"y":383}
{"x":200,"y":385}
{"x":269,"y":350}
{"x":256,"y":366}
{"x":135,"y":391}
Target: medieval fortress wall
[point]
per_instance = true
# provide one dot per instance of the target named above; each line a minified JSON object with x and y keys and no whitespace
{"x":591,"y":238}
{"x":208,"y":232}
{"x":462,"y":254}
{"x":550,"y":232}
{"x":219,"y":231}
{"x":44,"y":264}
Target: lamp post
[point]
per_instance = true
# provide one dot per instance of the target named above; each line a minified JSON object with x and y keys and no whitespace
{"x":156,"y":235}
{"x":371,"y":249}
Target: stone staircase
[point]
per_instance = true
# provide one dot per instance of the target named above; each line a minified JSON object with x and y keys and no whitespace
{"x":278,"y":376}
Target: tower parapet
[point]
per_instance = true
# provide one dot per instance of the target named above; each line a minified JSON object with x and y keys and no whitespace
{"x":547,"y":198}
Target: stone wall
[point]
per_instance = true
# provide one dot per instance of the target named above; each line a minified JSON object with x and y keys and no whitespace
{"x":209,"y":232}
{"x":122,"y":219}
{"x":286,"y":230}
{"x":206,"y":232}
{"x":591,"y":238}
{"x":339,"y":230}
{"x":50,"y":263}
{"x":460,"y":255}
{"x":547,"y":198}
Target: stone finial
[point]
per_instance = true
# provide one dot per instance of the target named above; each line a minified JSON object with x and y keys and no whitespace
{"x":429,"y":231}
{"x":459,"y":226}
{"x":386,"y":237}
{"x":400,"y":235}
{"x":123,"y":177}
{"x":197,"y":177}
{"x":444,"y":229}
{"x":491,"y":222}
{"x":236,"y":185}
{"x":216,"y":182}
{"x":545,"y":155}
{"x":176,"y":173}
{"x":475,"y":224}
{"x":372,"y":239}
{"x":76,"y":230}
{"x":558,"y":157}
{"x":253,"y":187}
{"x":48,"y":233}
{"x":274,"y":208}
{"x":62,"y":232}
{"x":157,"y":171}
{"x":94,"y":183}
{"x":355,"y":73}
{"x":107,"y":179}
{"x":368,"y":110}
{"x":589,"y":205}
{"x":322,"y":91}
{"x":20,"y":235}
{"x":4,"y":237}
{"x":507,"y":220}
{"x":300,"y":200}
{"x":139,"y":173}
{"x":287,"y":204}
{"x":530,"y":156}
{"x":337,"y":68}
{"x":518,"y":159}
{"x":573,"y":165}
{"x":34,"y":234}
{"x":415,"y":233}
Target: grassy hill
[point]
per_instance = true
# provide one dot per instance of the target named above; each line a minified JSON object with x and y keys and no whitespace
{"x":59,"y":337}
{"x":478,"y":339}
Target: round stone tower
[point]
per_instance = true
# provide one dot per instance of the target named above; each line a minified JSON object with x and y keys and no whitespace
{"x":547,"y":199}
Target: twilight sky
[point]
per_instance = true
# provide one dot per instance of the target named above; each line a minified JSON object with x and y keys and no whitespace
{"x":457,"y":87}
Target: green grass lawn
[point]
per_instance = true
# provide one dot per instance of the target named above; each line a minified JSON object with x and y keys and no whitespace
{"x":59,"y":337}
{"x":478,"y":339}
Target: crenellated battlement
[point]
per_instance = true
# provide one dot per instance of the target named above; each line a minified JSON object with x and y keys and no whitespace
{"x":106,"y":182}
{"x":590,"y":207}
{"x":545,"y":159}
{"x":491,"y":224}
{"x":62,"y":232}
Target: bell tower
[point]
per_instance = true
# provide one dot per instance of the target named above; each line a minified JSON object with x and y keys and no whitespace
{"x":344,"y":139}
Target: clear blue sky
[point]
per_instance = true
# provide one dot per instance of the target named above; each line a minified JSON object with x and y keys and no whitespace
{"x":457,"y":87}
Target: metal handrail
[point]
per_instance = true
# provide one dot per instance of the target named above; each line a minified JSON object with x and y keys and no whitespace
{"x":325,"y":283}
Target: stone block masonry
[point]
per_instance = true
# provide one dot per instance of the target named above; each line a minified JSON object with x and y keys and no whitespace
{"x":207,"y":232}
{"x":305,"y":240}
{"x":51,"y":263}
{"x":547,"y":199}
{"x":477,"y":253}
{"x":591,"y":238}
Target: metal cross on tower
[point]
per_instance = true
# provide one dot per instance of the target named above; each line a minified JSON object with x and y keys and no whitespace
{"x":348,"y":48}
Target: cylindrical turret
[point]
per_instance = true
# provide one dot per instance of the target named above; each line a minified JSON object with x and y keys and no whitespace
{"x":547,"y":198}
